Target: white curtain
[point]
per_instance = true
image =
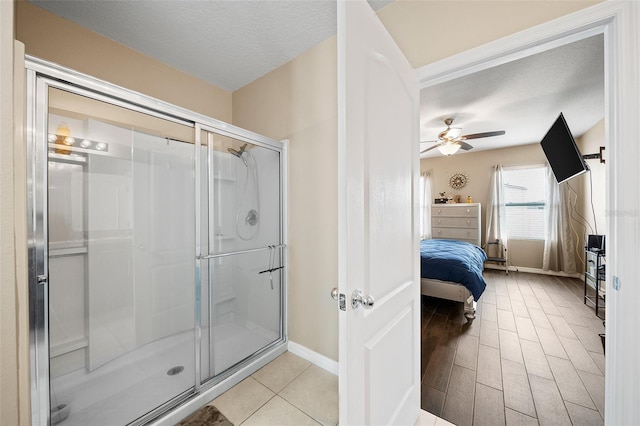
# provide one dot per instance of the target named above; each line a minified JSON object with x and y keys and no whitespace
{"x":558,"y":244}
{"x":425,"y":205}
{"x":496,"y":213}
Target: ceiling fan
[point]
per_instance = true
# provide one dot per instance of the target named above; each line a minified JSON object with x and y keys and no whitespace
{"x":450,"y":140}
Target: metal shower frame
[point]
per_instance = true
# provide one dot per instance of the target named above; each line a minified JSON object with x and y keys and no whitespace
{"x":40,"y":75}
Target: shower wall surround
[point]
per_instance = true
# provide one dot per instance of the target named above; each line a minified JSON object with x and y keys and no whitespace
{"x":157,"y":255}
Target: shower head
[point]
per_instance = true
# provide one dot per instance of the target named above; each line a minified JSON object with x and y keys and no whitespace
{"x":238,"y":153}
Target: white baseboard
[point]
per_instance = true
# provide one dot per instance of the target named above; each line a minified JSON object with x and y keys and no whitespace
{"x":534,"y":271}
{"x":314,"y":357}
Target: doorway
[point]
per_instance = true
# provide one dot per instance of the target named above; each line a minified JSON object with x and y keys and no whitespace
{"x":621,"y":87}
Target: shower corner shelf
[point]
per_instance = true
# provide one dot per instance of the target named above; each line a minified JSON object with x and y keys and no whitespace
{"x":224,"y":178}
{"x":67,"y":251}
{"x":224,"y":298}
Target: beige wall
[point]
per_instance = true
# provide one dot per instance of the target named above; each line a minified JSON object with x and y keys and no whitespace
{"x":428,"y":31}
{"x":478,"y":167}
{"x":273,"y":106}
{"x":58,"y":40}
{"x":595,"y":180}
{"x":14,"y":377}
{"x":52,"y":38}
{"x":298,"y":101}
{"x":8,"y":321}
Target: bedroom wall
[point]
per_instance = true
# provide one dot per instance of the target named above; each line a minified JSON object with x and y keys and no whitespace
{"x":591,"y":188}
{"x":478,"y":167}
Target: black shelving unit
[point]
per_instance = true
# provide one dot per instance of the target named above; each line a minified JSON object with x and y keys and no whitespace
{"x":496,"y":252}
{"x":594,"y":279}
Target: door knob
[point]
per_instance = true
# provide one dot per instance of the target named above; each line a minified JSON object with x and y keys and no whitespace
{"x":358,"y":299}
{"x":334,"y":293}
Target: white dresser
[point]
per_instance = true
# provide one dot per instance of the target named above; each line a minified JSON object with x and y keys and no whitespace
{"x":456,"y":222}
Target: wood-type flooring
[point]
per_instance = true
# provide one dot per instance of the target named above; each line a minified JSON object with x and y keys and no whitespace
{"x":532,"y":356}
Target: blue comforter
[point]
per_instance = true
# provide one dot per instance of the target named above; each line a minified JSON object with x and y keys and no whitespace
{"x":456,"y":261}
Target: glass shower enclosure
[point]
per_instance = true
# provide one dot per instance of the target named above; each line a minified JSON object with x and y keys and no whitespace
{"x":157,"y":262}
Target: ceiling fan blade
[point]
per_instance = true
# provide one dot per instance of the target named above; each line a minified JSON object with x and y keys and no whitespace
{"x":465,"y":146}
{"x":430,"y":148}
{"x":483,"y":135}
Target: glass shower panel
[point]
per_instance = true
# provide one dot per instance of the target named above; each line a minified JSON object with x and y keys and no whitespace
{"x":245,"y":307}
{"x":241,"y":242}
{"x":244,"y":194}
{"x":121,"y":273}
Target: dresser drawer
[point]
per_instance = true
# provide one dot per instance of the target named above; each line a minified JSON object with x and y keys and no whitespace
{"x":456,"y":211}
{"x":455,"y":233}
{"x":454,"y":222}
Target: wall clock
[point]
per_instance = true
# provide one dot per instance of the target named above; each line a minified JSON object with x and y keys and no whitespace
{"x":458,"y":180}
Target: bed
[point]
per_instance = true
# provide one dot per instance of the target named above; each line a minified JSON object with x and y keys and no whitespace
{"x":452,"y":270}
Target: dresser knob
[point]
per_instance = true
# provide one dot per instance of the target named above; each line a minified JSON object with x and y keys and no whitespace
{"x":468,"y":222}
{"x":468,"y":211}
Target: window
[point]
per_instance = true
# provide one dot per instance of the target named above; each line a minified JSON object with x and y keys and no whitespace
{"x":524,"y":195}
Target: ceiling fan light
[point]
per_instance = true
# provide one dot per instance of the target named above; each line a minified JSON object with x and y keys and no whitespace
{"x":449,"y":148}
{"x":454,"y":132}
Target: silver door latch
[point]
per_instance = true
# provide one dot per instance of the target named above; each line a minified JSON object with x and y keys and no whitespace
{"x":340,"y":297}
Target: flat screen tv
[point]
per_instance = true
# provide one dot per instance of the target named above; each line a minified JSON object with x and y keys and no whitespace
{"x":595,"y":242}
{"x":562,"y":152}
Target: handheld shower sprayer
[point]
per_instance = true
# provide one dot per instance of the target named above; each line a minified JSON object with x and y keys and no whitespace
{"x":248,"y":207}
{"x":239,"y":153}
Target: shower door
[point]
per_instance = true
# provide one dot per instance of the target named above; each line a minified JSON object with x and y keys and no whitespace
{"x":156,"y":253}
{"x":241,"y":249}
{"x":118,"y":231}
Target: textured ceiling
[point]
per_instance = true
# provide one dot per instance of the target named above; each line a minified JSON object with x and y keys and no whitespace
{"x":523,"y":97}
{"x":228,"y":43}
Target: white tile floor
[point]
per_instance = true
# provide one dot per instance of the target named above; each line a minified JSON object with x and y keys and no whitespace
{"x":289,"y":391}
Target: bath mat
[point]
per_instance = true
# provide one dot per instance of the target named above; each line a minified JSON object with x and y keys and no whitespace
{"x":206,"y":416}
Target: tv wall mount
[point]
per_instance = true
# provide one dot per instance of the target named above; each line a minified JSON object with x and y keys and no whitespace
{"x":594,"y":156}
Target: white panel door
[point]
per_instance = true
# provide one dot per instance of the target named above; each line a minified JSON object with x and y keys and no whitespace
{"x":378,"y":166}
